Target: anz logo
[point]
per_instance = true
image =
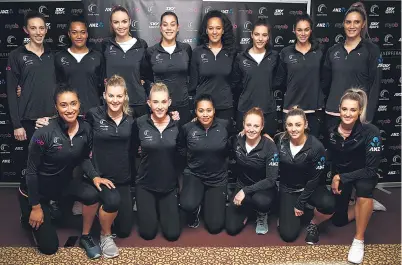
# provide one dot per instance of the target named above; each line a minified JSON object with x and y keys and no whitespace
{"x":375,"y":145}
{"x":275,"y":160}
{"x":321,"y":163}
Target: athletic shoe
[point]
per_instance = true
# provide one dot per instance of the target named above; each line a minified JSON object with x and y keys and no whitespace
{"x":109,"y":248}
{"x":356,"y":251}
{"x":55,"y":211}
{"x":313,"y":236}
{"x":92,"y":250}
{"x":193,"y":219}
{"x":262,"y":223}
{"x":77,"y":208}
{"x":378,"y":206}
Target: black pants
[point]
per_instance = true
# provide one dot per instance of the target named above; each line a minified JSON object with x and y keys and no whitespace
{"x":270,"y":122}
{"x":289,"y":224}
{"x":46,"y":235}
{"x":139,"y":110}
{"x":236,"y":216}
{"x":184,"y":111}
{"x":364,"y":189}
{"x":149,"y":205}
{"x":192,"y":194}
{"x":112,"y":200}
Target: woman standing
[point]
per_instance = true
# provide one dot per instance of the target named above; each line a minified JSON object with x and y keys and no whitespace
{"x":354,"y":63}
{"x":211,"y":63}
{"x":356,"y":149}
{"x":205,"y":143}
{"x":170,"y":62}
{"x":156,"y":183}
{"x":257,"y":170}
{"x":300,"y":69}
{"x":301,"y":167}
{"x":125,"y":56}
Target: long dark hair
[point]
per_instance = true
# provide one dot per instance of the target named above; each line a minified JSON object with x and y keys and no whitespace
{"x":359,"y":8}
{"x":228,"y":38}
{"x":306,"y":17}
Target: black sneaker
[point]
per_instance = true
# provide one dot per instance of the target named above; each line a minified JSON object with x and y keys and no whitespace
{"x":193,"y":219}
{"x":92,"y":250}
{"x":313,"y":236}
{"x":55,"y":211}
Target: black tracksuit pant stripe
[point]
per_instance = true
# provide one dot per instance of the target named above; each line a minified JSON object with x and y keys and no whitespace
{"x":154,"y":208}
{"x":259,"y":201}
{"x":289,"y":223}
{"x":213,"y":199}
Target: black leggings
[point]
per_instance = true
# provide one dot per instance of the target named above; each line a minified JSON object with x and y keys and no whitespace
{"x":112,"y":200}
{"x":364,"y":189}
{"x":270,"y":122}
{"x":289,"y":224}
{"x":149,"y":204}
{"x":192,"y":194}
{"x":236,"y":215}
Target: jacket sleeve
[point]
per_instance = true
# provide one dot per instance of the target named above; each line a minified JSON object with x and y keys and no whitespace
{"x":281,"y":73}
{"x":374,"y":83}
{"x":236,"y":77}
{"x":194,"y":74}
{"x":13,"y":79}
{"x":373,"y":156}
{"x":271,"y":172}
{"x":326,"y":74}
{"x":86,"y":163}
{"x":182,"y":143}
{"x":102,"y":75}
{"x":36,"y":150}
{"x":146,"y":68}
{"x":317,"y":171}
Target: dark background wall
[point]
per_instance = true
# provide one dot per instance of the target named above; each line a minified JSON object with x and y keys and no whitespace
{"x":328,"y":17}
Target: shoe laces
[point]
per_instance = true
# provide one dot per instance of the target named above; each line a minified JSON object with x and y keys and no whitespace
{"x":312,"y":229}
{"x":108,"y":241}
{"x":261,"y":219}
{"x":89,"y":241}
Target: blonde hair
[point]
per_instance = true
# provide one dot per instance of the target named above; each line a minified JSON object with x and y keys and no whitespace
{"x":116,"y":80}
{"x":360,"y":96}
{"x":159,"y":87}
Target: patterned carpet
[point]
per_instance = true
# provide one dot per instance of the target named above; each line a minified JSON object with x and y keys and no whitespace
{"x":300,"y":255}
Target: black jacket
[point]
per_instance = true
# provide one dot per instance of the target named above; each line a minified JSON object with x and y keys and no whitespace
{"x":86,"y":76}
{"x":158,"y":170}
{"x":359,"y":68}
{"x":132,"y":66}
{"x":37,"y":78}
{"x":111,"y":148}
{"x":210,"y":74}
{"x":358,"y":156}
{"x":255,"y":81}
{"x":301,"y":74}
{"x":206,"y":151}
{"x":172,"y":70}
{"x":52,"y":157}
{"x":303,"y":171}
{"x":257,"y":170}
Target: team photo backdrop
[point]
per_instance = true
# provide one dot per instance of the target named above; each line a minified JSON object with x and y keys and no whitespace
{"x":384,"y":29}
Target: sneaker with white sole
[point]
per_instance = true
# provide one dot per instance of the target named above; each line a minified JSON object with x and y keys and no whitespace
{"x":312,"y":234}
{"x":92,"y":250}
{"x":356,"y":251}
{"x":108,"y":246}
{"x":193,"y":219}
{"x":377,"y":206}
{"x":261,"y":227}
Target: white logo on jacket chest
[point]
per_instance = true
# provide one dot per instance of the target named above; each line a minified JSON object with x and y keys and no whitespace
{"x":147,"y":135}
{"x":64,"y":61}
{"x":103,"y":125}
{"x":204,"y":58}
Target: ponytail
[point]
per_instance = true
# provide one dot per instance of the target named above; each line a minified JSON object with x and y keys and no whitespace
{"x":359,"y":8}
{"x":360,"y":96}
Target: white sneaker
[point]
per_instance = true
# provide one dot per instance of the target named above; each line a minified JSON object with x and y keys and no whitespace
{"x":77,"y":208}
{"x":378,"y":206}
{"x":262,"y":223}
{"x":356,"y":251}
